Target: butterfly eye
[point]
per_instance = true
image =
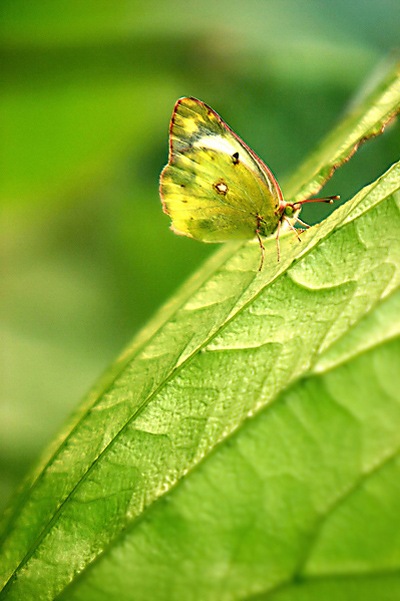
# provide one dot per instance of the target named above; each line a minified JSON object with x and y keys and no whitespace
{"x":235,"y":158}
{"x":289,"y":210}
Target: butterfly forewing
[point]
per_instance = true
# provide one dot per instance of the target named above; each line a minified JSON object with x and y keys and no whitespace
{"x":214,"y":187}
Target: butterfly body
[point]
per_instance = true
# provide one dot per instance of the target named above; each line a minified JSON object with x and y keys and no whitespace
{"x":214,"y":187}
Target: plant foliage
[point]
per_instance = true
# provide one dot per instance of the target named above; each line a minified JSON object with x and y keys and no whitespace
{"x":246,"y":445}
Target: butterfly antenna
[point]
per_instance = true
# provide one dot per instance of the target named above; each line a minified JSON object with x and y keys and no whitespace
{"x":295,"y":206}
{"x":327,"y":199}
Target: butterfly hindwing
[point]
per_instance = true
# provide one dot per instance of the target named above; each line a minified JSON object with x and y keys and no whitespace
{"x":214,"y":187}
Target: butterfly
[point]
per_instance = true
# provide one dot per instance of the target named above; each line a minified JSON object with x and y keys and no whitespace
{"x":215,"y":188}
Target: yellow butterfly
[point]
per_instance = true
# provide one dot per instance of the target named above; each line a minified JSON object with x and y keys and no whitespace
{"x":214,"y":187}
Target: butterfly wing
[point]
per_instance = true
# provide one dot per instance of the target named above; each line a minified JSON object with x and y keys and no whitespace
{"x":214,"y":187}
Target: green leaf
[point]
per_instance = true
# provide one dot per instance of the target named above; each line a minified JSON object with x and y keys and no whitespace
{"x":246,"y":443}
{"x":376,"y":105}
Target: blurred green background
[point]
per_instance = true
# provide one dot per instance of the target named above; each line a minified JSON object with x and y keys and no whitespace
{"x":88,"y":91}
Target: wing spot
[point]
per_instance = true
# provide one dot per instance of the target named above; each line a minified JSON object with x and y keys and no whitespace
{"x":235,"y":158}
{"x":221,"y":187}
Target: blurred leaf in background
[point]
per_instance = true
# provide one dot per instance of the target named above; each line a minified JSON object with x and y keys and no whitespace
{"x":86,"y":99}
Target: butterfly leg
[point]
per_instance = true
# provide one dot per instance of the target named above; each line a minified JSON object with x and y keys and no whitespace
{"x":278,"y":250}
{"x":262,"y":250}
{"x":303,"y":223}
{"x":292,"y":228}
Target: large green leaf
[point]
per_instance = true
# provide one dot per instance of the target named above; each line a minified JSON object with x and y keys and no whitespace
{"x":247,"y":442}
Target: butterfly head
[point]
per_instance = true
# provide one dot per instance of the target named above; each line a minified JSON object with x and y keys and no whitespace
{"x":288,"y":209}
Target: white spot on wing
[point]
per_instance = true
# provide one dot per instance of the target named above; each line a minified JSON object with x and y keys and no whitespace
{"x":216,"y":143}
{"x":220,"y":144}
